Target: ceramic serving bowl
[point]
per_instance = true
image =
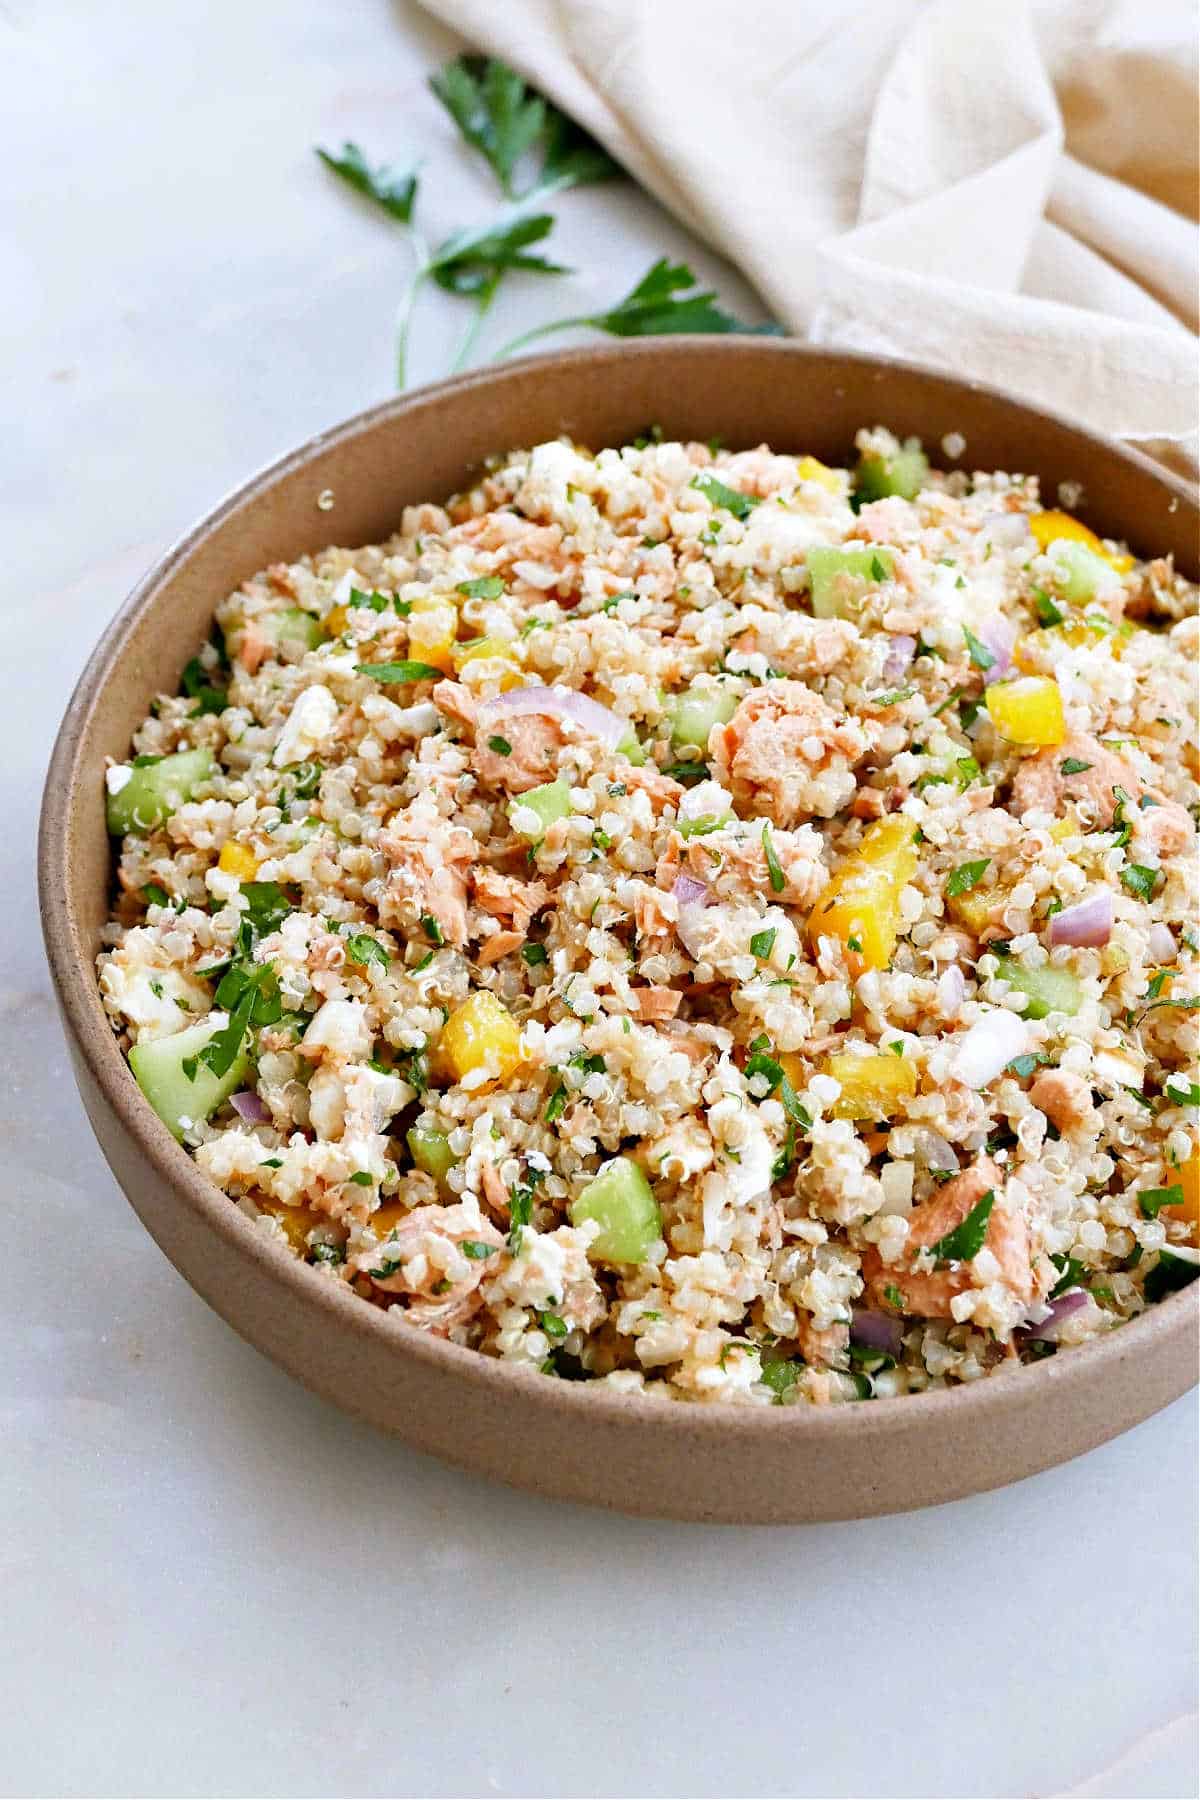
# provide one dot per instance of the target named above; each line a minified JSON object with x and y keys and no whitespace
{"x":743,"y":1464}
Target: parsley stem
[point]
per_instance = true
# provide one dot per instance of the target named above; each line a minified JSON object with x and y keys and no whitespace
{"x":404,"y":311}
{"x":478,"y":315}
{"x":539,"y":331}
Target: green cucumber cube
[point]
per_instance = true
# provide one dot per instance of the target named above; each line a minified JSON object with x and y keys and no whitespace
{"x":1080,"y":575}
{"x":903,"y":473}
{"x":157,"y":1064}
{"x":551,"y":801}
{"x":156,"y":790}
{"x":631,"y":750}
{"x":430,"y":1151}
{"x":621,"y":1202}
{"x":1049,"y":989}
{"x":294,"y":629}
{"x":694,"y":714}
{"x":837,"y":577}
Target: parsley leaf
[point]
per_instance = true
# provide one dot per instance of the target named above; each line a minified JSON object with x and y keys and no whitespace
{"x":1048,"y":613}
{"x":774,"y":871}
{"x":1150,"y":1200}
{"x":667,"y":299}
{"x":473,"y":260}
{"x":390,"y":186}
{"x":362,"y":948}
{"x":198,"y":687}
{"x":533,"y":954}
{"x":966,"y":876}
{"x":520,"y":1212}
{"x":762,"y":943}
{"x":476,"y":1250}
{"x":1139,"y":880}
{"x":1071,"y":765}
{"x":980,"y":655}
{"x":718,"y":495}
{"x":505,"y":120}
{"x":485,"y":587}
{"x":966,"y":1240}
{"x":399,"y":671}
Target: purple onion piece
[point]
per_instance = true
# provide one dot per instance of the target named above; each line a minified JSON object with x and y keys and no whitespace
{"x":1087,"y":923}
{"x":1161,"y":942}
{"x":900,"y":655}
{"x":689,"y":891}
{"x":249,"y":1107}
{"x":878,"y":1330}
{"x":1060,"y":1309}
{"x":563,"y":703}
{"x":998,"y":635}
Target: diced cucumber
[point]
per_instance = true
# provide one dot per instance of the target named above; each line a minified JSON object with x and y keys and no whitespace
{"x":157,"y":1063}
{"x":294,"y":629}
{"x":156,"y":790}
{"x":550,"y":801}
{"x":1080,"y":574}
{"x":903,"y":473}
{"x":703,"y":824}
{"x":834,"y":574}
{"x":430,"y":1151}
{"x":694,"y":714}
{"x":621,"y":1202}
{"x":1049,"y":989}
{"x":631,"y":750}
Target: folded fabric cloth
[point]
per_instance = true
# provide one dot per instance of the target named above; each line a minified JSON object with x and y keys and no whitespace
{"x":1002,"y":189}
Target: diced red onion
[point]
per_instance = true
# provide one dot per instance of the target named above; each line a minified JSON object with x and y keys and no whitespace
{"x":1088,"y":922}
{"x":1060,"y":1309}
{"x":988,"y":1046}
{"x":564,"y":703}
{"x":878,"y":1330}
{"x":689,"y":891}
{"x":1161,"y":942}
{"x":899,"y":656}
{"x":998,"y":635}
{"x":249,"y":1107}
{"x":939,"y":1152}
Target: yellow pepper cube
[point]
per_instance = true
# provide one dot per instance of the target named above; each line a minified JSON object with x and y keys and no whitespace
{"x":1050,"y":527}
{"x":861,"y":905}
{"x":1028,"y":711}
{"x":297,"y":1221}
{"x":1189,"y":1181}
{"x":974,"y":910}
{"x":873,"y":1087}
{"x":481,"y":1034}
{"x":236,"y":860}
{"x":497,"y":653}
{"x":809,"y":469}
{"x":336,"y":620}
{"x":793,"y":1067}
{"x":432,"y":629}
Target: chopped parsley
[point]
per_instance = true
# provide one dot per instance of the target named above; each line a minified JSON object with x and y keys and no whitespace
{"x":363,"y":949}
{"x":1048,"y":613}
{"x":500,"y":745}
{"x":762,"y":943}
{"x":729,"y":499}
{"x":485,"y":587}
{"x":477,"y":1251}
{"x":774,"y":871}
{"x":965,"y":1242}
{"x":979,"y":653}
{"x":894,"y":1297}
{"x":432,"y":930}
{"x":533,"y":954}
{"x":1151,"y":1200}
{"x":967,"y":876}
{"x":1139,"y":880}
{"x":1071,"y":765}
{"x":399,"y":671}
{"x":362,"y":1178}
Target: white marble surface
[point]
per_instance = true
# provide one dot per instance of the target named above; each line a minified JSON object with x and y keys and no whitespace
{"x":212,"y":1583}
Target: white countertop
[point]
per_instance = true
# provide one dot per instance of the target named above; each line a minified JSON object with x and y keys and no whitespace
{"x":213,"y":1583}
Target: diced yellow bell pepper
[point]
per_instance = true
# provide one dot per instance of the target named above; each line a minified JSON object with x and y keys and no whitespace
{"x":861,"y":905}
{"x":432,"y":629}
{"x":1189,"y":1181}
{"x":809,"y":469}
{"x":481,"y":1034}
{"x":793,"y":1067}
{"x":974,"y":910}
{"x":236,"y":860}
{"x":1050,"y":526}
{"x":490,"y":650}
{"x":1065,"y":828}
{"x":1028,"y":711}
{"x":336,"y":620}
{"x":386,"y":1217}
{"x":297,"y":1221}
{"x":873,"y":1087}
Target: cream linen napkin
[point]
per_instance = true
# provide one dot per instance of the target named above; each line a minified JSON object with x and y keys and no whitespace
{"x":1002,"y":189}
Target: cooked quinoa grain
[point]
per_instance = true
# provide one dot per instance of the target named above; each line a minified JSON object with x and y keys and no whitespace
{"x":707,"y":923}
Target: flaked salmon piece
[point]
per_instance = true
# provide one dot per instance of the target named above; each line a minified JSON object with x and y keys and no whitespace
{"x":819,"y":1345}
{"x":535,"y":745}
{"x":928,"y":1295}
{"x":252,"y":648}
{"x":279,"y":576}
{"x":507,"y":898}
{"x":495,"y":1195}
{"x":734,"y":867}
{"x":780,"y":739}
{"x":457,"y":702}
{"x":429,"y":862}
{"x":1065,"y":1099}
{"x":653,"y":1004}
{"x":503,"y":944}
{"x":1042,"y":785}
{"x":662,"y":789}
{"x":407,"y":1262}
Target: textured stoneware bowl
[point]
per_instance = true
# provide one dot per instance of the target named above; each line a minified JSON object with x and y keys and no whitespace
{"x":770,"y":1464}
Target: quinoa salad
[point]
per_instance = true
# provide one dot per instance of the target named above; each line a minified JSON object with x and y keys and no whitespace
{"x":707,"y":923}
